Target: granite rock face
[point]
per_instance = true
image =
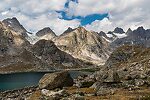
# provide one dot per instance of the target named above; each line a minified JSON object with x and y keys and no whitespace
{"x":16,"y":54}
{"x":14,"y":25}
{"x":47,"y":51}
{"x":118,"y":30}
{"x":46,"y":33}
{"x":84,"y":45}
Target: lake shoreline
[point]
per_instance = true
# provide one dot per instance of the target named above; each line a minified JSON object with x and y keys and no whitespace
{"x":52,"y":71}
{"x":26,"y":92}
{"x":15,"y":81}
{"x":13,"y":93}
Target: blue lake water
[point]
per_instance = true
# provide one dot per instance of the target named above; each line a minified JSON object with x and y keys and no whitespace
{"x":20,"y":80}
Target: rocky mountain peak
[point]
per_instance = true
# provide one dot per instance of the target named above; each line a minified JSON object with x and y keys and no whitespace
{"x":9,"y":42}
{"x":46,"y":33}
{"x":140,"y":29}
{"x":101,"y":33}
{"x":118,"y":30}
{"x":81,"y":29}
{"x":78,"y":33}
{"x":110,"y":32}
{"x":84,"y":44}
{"x":11,"y":20}
{"x":14,"y":19}
{"x":14,"y":25}
{"x":68,"y":30}
{"x":129,"y":31}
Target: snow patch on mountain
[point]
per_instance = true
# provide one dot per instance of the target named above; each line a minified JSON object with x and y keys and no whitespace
{"x":32,"y":38}
{"x":106,"y":39}
{"x":109,"y":35}
{"x":120,"y":35}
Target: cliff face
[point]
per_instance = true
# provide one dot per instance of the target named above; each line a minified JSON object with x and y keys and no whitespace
{"x":15,"y":55}
{"x":11,"y":40}
{"x":140,"y":36}
{"x":46,"y":33}
{"x":46,"y":50}
{"x":75,"y":48}
{"x":14,"y":25}
{"x":84,"y":45}
{"x":18,"y":55}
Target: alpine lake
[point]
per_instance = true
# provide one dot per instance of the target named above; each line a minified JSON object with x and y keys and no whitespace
{"x":20,"y":80}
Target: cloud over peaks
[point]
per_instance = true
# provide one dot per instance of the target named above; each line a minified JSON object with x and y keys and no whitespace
{"x":37,"y":14}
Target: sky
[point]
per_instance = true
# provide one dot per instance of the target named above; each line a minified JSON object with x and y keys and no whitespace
{"x":95,"y":15}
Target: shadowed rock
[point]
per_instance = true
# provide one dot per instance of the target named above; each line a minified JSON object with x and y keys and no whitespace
{"x":46,"y":33}
{"x":55,"y":80}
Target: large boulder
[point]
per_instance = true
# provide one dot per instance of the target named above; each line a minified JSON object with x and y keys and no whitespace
{"x":55,"y":80}
{"x":112,"y":77}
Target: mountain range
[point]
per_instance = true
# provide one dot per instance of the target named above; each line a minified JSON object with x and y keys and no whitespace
{"x":75,"y":48}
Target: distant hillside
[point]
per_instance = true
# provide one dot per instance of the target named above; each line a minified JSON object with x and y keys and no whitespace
{"x":129,"y":62}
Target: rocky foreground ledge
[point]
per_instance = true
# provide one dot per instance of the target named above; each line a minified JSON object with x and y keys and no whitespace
{"x":60,"y":86}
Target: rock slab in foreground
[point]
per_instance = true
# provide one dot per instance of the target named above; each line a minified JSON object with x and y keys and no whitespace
{"x":55,"y":80}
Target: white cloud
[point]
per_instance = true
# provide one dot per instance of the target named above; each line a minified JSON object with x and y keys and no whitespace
{"x":86,"y":7}
{"x":122,"y":13}
{"x":105,"y":25}
{"x":52,"y":20}
{"x":37,"y":14}
{"x":33,"y":6}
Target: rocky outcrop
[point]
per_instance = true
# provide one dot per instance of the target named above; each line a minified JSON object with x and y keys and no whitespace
{"x":55,"y":80}
{"x":47,"y":51}
{"x":16,"y":39}
{"x":15,"y":54}
{"x":53,"y":94}
{"x":24,"y":61}
{"x":127,"y":67}
{"x":19,"y":94}
{"x":84,"y":45}
{"x":111,"y":36}
{"x":132,"y":61}
{"x":46,"y":33}
{"x":14,"y":25}
{"x":84,"y":81}
{"x":18,"y":55}
{"x":67,"y":31}
{"x":140,"y":36}
{"x":118,"y":30}
{"x":11,"y":43}
{"x":129,"y":31}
